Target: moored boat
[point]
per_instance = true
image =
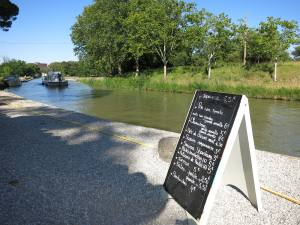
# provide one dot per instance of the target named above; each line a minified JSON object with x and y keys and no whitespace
{"x":26,"y":78}
{"x":12,"y":81}
{"x":54,"y":79}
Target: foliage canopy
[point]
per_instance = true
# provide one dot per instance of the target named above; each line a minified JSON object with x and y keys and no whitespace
{"x":8,"y":13}
{"x":125,"y":35}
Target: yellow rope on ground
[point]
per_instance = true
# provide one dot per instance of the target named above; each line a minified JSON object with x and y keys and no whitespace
{"x":100,"y":130}
{"x":281,"y":195}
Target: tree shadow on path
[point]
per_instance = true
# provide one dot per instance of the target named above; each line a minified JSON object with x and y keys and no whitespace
{"x":65,"y":174}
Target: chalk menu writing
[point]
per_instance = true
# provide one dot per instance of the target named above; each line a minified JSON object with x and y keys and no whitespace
{"x":200,"y":148}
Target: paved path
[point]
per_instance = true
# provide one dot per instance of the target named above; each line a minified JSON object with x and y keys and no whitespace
{"x":61,"y":167}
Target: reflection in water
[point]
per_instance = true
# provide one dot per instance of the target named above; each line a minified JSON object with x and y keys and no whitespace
{"x":151,"y":109}
{"x":276,"y":124}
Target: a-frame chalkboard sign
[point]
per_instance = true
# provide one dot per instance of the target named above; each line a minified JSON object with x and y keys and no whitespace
{"x":216,"y":146}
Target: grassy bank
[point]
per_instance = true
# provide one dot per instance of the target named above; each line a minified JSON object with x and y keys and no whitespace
{"x":231,"y":79}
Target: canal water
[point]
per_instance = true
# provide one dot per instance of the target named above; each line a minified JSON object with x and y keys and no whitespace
{"x":276,"y":124}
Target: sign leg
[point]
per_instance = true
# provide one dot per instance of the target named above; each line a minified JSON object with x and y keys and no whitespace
{"x":241,"y":170}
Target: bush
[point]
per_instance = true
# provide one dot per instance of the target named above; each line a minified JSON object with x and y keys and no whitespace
{"x":18,"y":67}
{"x":265,"y":67}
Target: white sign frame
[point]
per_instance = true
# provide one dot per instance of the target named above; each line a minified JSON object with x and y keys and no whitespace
{"x":238,"y":163}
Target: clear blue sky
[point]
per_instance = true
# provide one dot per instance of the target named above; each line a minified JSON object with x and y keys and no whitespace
{"x":41,"y":32}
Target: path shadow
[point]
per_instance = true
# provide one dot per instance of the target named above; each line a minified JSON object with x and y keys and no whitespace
{"x":65,"y":174}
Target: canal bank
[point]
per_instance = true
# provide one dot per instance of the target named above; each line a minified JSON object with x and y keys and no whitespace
{"x":167,"y":111}
{"x":255,"y":82}
{"x":62,"y":167}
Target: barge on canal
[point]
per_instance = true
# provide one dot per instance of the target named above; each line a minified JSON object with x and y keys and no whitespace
{"x":12,"y":81}
{"x":54,"y":79}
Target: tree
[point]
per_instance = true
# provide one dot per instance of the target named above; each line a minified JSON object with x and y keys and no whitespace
{"x":277,"y":36}
{"x":99,"y":36}
{"x":215,"y":34}
{"x":195,"y":33}
{"x":8,"y":13}
{"x":107,"y":32}
{"x":121,"y":35}
{"x":31,"y":69}
{"x":69,"y":68}
{"x":56,"y":66}
{"x":243,"y":37}
{"x":163,"y":27}
{"x":136,"y":36}
{"x":5,"y":70}
{"x":257,"y":50}
{"x":296,"y":52}
{"x":18,"y":67}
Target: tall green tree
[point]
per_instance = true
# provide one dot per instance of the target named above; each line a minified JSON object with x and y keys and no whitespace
{"x":216,"y":32}
{"x":242,"y":32}
{"x":137,"y":42}
{"x":163,"y":26}
{"x":277,"y":36}
{"x":256,"y":49}
{"x":8,"y":13}
{"x":99,"y":35}
{"x":195,"y":33}
{"x":210,"y":36}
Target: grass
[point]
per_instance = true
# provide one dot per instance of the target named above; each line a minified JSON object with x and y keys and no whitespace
{"x":230,"y":78}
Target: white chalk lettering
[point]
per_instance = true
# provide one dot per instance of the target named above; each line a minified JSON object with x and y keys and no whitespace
{"x":177,"y":177}
{"x":205,"y":145}
{"x":220,"y":112}
{"x":190,"y":139}
{"x":220,"y":124}
{"x":183,"y":161}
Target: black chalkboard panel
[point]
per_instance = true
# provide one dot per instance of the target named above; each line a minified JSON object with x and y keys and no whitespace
{"x":200,"y":148}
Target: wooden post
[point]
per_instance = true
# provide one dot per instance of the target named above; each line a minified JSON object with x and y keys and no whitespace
{"x":209,"y":65}
{"x":275,"y":70}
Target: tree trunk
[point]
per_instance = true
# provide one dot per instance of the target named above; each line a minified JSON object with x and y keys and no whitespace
{"x":165,"y":71}
{"x":119,"y":69}
{"x":165,"y":61}
{"x":209,"y":65}
{"x":275,"y":71}
{"x":110,"y":65}
{"x":137,"y":69}
{"x":245,"y":53}
{"x":209,"y":71}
